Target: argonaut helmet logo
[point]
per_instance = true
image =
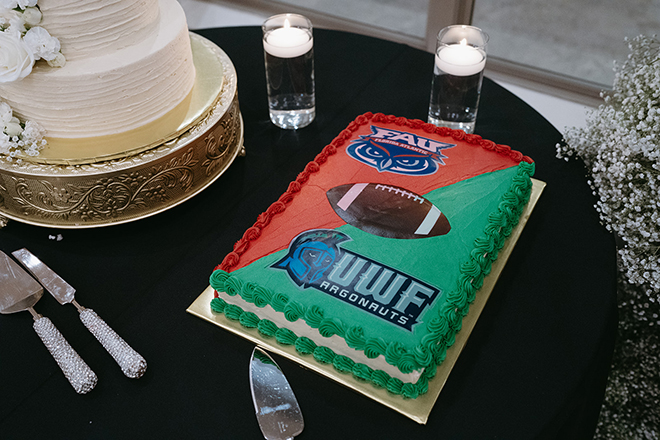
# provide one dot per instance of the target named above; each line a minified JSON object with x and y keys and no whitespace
{"x":398,"y":152}
{"x":311,"y":254}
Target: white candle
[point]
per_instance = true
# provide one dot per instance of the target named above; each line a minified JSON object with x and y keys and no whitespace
{"x":288,"y":42}
{"x":460,"y":59}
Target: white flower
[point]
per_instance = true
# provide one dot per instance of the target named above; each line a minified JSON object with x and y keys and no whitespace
{"x":16,"y":136}
{"x":6,"y":113}
{"x":58,"y":61}
{"x":16,"y":58}
{"x":12,"y":20}
{"x":32,"y":16}
{"x":13,"y":129}
{"x":5,"y":143}
{"x":27,"y":3}
{"x":9,"y":4}
{"x":33,"y":132}
{"x":41,"y":43}
{"x":13,"y":4}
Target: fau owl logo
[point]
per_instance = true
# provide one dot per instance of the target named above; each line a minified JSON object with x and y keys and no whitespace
{"x":316,"y":260}
{"x":398,"y":152}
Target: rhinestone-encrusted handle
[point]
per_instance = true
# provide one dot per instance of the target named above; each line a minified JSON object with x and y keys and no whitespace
{"x":132,"y":364}
{"x":81,"y":377}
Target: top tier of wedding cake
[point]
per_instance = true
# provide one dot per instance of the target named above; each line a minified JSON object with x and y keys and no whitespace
{"x":128,"y":63}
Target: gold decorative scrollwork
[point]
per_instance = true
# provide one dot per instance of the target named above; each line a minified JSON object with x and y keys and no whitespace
{"x":219,"y":141}
{"x":3,"y":193}
{"x":107,"y":197}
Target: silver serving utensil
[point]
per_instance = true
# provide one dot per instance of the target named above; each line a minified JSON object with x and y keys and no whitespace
{"x":20,"y":292}
{"x":277,"y":409}
{"x":132,"y":364}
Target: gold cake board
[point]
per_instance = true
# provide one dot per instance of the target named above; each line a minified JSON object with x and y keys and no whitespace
{"x":137,"y":174}
{"x":417,"y":409}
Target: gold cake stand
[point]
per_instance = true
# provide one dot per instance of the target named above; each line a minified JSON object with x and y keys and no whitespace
{"x":108,"y":180}
{"x":416,"y":409}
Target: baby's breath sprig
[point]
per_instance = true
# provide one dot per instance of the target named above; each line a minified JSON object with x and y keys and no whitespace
{"x":18,"y":136}
{"x":620,"y":147}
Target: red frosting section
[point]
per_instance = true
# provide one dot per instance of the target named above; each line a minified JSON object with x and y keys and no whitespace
{"x":471,"y":156}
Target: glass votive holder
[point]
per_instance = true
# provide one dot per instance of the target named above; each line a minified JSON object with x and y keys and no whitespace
{"x":460,"y":58}
{"x":289,"y":57}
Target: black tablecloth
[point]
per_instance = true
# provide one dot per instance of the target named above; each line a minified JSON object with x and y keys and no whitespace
{"x":534,"y":367}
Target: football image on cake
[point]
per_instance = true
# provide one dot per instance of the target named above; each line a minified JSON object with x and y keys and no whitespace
{"x":387,"y":211}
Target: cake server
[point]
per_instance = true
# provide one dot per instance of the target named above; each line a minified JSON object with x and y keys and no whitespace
{"x":20,"y":292}
{"x":277,"y":409}
{"x":132,"y":364}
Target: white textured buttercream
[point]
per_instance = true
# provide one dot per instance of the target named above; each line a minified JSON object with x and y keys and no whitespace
{"x":96,"y":27}
{"x":125,"y":81}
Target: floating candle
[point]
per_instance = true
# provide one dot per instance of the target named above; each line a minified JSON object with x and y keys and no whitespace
{"x":288,"y":42}
{"x":460,"y":59}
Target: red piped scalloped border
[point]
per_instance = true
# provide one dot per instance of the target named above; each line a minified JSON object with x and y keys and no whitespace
{"x":254,"y":232}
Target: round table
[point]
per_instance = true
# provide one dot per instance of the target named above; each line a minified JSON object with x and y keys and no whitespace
{"x":535,"y":365}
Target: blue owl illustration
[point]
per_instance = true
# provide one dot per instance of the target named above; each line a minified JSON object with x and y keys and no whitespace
{"x":392,"y":158}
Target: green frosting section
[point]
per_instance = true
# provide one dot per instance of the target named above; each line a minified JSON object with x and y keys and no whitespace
{"x":460,"y":260}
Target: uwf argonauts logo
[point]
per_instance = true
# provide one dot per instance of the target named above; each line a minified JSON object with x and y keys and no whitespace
{"x":315,"y":260}
{"x":398,"y":152}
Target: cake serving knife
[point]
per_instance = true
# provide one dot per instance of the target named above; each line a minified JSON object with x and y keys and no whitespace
{"x":276,"y":407}
{"x":132,"y":364}
{"x":20,"y":292}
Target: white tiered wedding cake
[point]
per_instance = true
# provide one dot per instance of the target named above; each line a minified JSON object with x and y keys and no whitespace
{"x":110,"y":111}
{"x":128,"y":63}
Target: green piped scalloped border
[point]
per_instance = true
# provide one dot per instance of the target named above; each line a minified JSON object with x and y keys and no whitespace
{"x":321,"y":354}
{"x":441,"y":330}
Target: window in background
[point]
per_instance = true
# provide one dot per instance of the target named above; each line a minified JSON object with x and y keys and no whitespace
{"x":577,"y":39}
{"x":403,"y":17}
{"x":412,"y":22}
{"x":564,"y":48}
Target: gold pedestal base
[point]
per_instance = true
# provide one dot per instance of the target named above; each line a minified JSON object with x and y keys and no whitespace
{"x":160,"y":168}
{"x":416,"y":409}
